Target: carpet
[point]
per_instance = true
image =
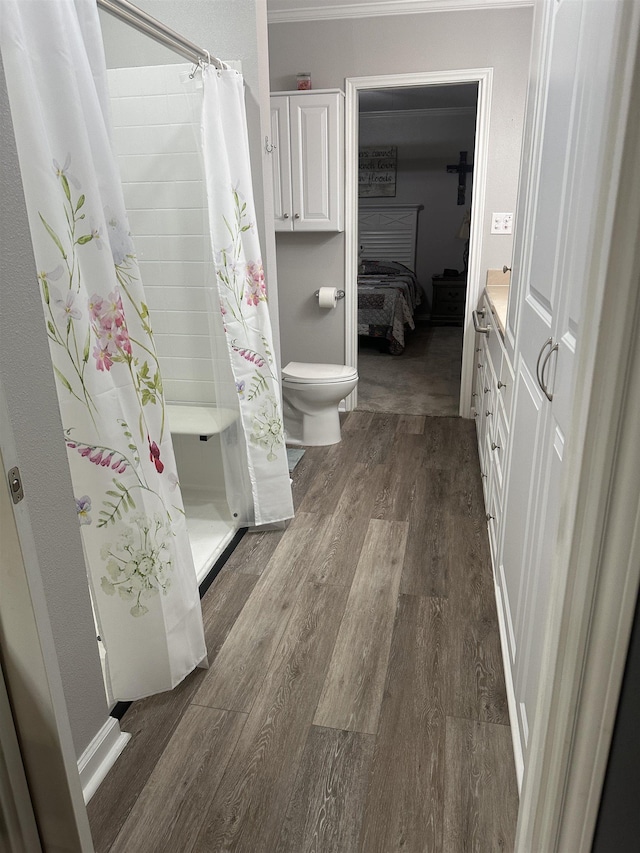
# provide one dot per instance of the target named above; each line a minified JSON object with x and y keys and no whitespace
{"x":424,"y":380}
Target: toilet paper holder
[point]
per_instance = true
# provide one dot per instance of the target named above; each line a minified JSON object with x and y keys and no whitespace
{"x":339,"y":294}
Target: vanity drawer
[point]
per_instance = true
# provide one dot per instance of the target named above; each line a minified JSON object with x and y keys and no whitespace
{"x":494,"y":523}
{"x":494,"y":340}
{"x":498,"y":445}
{"x":505,"y":386}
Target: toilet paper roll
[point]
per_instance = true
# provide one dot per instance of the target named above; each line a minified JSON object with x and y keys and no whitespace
{"x":328,"y":297}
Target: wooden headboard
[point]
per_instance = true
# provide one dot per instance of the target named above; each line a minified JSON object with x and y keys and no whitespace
{"x":389,"y":232}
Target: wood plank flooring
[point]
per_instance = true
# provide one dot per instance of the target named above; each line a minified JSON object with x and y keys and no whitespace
{"x":355,"y":701}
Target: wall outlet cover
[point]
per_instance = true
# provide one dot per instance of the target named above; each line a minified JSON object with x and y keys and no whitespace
{"x":502,"y":223}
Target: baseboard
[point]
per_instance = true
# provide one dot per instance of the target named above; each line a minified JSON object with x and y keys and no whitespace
{"x":511,"y":694}
{"x":100,"y":756}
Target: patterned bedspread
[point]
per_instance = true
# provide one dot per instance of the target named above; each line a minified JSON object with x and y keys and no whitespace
{"x":388,"y":294}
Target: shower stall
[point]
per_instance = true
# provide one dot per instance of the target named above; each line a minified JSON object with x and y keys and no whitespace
{"x":138,"y":189}
{"x":155,"y":113}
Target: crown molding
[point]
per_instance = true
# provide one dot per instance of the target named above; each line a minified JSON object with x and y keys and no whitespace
{"x":436,"y":112}
{"x":376,"y":8}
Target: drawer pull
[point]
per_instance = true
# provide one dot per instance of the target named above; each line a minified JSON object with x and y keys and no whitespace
{"x":482,"y":330}
{"x":495,"y":446}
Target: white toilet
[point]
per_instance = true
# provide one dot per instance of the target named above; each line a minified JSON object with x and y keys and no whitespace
{"x":311,"y":395}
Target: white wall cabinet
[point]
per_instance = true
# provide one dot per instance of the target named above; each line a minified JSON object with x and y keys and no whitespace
{"x":307,"y":135}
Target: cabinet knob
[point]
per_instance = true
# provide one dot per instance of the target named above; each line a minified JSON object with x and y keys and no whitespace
{"x":487,"y":413}
{"x":490,"y":517}
{"x":296,"y":216}
{"x":478,"y":349}
{"x":486,"y":390}
{"x":285,"y":215}
{"x":479,"y":364}
{"x":501,"y":385}
{"x":495,"y":446}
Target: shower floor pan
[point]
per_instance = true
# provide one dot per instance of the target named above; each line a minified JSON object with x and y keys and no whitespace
{"x":210,"y":528}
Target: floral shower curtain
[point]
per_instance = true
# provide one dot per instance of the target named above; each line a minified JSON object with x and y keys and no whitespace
{"x":106,"y":370}
{"x":242,"y":291}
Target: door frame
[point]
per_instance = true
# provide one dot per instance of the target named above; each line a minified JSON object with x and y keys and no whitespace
{"x":353,"y":86}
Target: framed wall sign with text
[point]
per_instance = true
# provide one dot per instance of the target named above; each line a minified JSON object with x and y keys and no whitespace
{"x":377,"y":171}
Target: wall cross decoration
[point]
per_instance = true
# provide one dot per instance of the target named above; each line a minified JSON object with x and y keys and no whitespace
{"x":462,"y":168}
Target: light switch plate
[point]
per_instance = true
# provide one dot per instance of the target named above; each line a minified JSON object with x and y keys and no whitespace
{"x":502,"y":223}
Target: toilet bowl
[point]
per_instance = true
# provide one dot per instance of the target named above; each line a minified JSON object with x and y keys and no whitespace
{"x":311,"y":394}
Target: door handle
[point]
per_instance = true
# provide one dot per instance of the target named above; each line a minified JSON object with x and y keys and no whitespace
{"x":547,"y":343}
{"x":543,"y":384}
{"x":483,"y":330}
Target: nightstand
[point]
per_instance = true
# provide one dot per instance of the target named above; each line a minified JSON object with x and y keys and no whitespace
{"x":448,"y":300}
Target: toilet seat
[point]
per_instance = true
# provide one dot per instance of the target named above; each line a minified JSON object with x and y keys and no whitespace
{"x":303,"y":373}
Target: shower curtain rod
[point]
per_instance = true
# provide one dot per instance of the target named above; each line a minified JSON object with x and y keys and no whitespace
{"x":139,"y":20}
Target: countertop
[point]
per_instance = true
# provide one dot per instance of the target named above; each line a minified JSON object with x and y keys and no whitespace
{"x":497,"y":288}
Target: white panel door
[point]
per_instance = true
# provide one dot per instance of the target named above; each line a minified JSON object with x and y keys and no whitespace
{"x":281,"y":163}
{"x":520,"y":494}
{"x":541,"y":286}
{"x":572,"y":172}
{"x":524,"y":577}
{"x":316,"y":178}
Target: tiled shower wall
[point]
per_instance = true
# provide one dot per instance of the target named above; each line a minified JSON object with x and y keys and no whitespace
{"x":156,"y":118}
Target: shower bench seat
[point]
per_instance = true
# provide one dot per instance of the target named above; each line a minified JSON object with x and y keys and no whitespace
{"x":204,"y":421}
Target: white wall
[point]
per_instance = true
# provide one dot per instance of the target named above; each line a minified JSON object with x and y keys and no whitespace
{"x":232,"y":30}
{"x":357,"y":47}
{"x":427,"y":142}
{"x":156,"y":118}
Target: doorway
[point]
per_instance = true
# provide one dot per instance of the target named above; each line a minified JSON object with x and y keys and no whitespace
{"x":384,"y":88}
{"x":414,"y":205}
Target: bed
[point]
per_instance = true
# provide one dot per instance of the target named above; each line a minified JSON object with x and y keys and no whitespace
{"x":388,"y":290}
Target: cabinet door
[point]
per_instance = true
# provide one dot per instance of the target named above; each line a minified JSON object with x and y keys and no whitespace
{"x":572,"y":174}
{"x":526,"y":577}
{"x":316,"y":149}
{"x":281,"y":163}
